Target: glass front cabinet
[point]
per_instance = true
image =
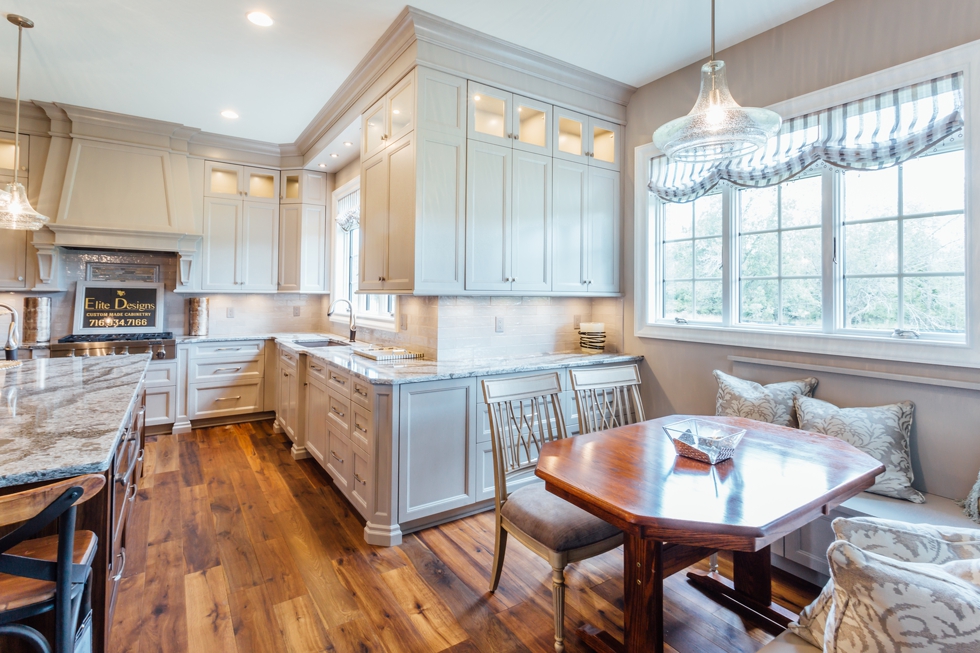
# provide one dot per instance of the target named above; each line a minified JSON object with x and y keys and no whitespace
{"x":586,"y":139}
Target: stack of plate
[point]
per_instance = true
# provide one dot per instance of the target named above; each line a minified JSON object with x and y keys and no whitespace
{"x":592,"y":337}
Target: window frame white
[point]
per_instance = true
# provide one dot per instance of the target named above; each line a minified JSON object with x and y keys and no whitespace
{"x":833,"y":339}
{"x":341,"y":275}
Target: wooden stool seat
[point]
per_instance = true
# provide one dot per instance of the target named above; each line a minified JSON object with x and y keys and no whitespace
{"x":18,"y":592}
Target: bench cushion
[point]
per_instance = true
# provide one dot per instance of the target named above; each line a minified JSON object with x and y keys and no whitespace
{"x":788,"y":643}
{"x":936,"y":510}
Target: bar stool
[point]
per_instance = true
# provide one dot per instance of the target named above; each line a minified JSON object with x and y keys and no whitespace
{"x":47,"y":573}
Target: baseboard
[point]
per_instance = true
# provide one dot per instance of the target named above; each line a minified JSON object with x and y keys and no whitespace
{"x":231,"y":419}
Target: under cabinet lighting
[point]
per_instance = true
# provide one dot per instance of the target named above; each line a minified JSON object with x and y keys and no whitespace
{"x":334,"y":155}
{"x":259,"y":18}
{"x":228,"y":113}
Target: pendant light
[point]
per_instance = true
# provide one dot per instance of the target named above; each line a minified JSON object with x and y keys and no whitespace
{"x":15,"y":211}
{"x":717,"y":128}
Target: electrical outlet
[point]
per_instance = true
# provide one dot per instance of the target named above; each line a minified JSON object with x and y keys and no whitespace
{"x":403,"y":322}
{"x":230,"y":312}
{"x":498,"y":324}
{"x":296,"y":311}
{"x":577,"y":321}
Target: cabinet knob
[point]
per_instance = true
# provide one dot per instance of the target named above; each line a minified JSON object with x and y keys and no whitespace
{"x":20,"y":278}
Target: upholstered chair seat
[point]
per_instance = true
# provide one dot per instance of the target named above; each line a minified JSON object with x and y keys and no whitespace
{"x":552,"y":521}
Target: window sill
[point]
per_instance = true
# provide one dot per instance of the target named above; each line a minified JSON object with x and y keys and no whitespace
{"x":367,"y":322}
{"x":932,"y":352}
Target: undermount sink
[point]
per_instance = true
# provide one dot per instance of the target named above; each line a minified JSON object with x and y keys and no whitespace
{"x":312,"y":344}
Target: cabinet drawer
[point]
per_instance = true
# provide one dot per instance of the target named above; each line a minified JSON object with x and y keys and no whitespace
{"x":161,"y":373}
{"x":338,"y":457}
{"x":338,"y":411}
{"x":233,"y":369}
{"x":362,"y":428}
{"x":361,"y":480}
{"x":204,"y":401}
{"x":361,"y":392}
{"x":339,"y":380}
{"x":234,"y":348}
{"x":317,"y":370}
{"x":161,"y":405}
{"x":287,"y":357}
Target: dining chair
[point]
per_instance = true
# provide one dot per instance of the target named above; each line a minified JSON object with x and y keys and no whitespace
{"x":47,"y":573}
{"x":607,"y":397}
{"x":525,"y":413}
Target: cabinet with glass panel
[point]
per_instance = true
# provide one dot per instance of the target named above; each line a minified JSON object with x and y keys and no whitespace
{"x":14,"y":245}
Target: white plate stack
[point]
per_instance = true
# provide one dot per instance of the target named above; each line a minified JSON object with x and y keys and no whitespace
{"x":592,"y":337}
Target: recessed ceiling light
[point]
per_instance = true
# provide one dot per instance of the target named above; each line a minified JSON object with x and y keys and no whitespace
{"x":348,"y":143}
{"x":259,"y":18}
{"x":228,"y":113}
{"x":334,"y":156}
{"x":477,"y":98}
{"x":395,"y":111}
{"x":322,"y":165}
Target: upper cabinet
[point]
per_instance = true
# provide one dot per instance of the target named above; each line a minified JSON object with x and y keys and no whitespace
{"x":510,"y":120}
{"x":302,"y":187}
{"x":390,"y":118}
{"x":413,"y":187}
{"x":8,"y":155}
{"x":586,"y":139}
{"x":227,"y":181}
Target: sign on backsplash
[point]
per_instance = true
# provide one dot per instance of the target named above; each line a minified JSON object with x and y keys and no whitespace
{"x":114,"y":307}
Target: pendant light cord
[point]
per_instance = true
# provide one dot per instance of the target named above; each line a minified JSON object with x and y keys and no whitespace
{"x":712,"y":34}
{"x":20,"y":37}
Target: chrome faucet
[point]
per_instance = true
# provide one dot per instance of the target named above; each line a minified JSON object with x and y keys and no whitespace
{"x":353,"y":321}
{"x":10,"y":348}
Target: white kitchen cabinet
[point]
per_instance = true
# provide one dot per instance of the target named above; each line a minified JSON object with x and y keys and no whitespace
{"x":302,"y":187}
{"x":303,"y":248}
{"x":585,"y":238}
{"x":227,"y":180}
{"x":160,"y":383}
{"x":412,"y":194}
{"x":390,"y":118}
{"x":316,"y":420}
{"x":585,"y":139}
{"x":241,"y":245}
{"x":508,"y":219}
{"x":287,"y":399}
{"x":503,"y":118}
{"x":259,"y":247}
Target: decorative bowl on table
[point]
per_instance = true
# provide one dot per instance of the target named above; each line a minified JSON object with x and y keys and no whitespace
{"x":704,"y":440}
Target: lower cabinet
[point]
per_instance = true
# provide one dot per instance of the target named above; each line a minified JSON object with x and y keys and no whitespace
{"x":225,"y":379}
{"x":316,"y":418}
{"x":207,"y":401}
{"x":161,"y":392}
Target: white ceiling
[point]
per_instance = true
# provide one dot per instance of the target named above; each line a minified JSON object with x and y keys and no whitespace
{"x":187,"y":60}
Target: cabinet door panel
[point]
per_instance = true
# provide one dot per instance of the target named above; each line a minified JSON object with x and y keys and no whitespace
{"x":373,"y":130}
{"x":290,"y":242}
{"x":441,"y":102}
{"x":313,"y":249}
{"x":222,"y":226}
{"x":531,"y":223}
{"x":262,"y":185}
{"x":223,"y":180}
{"x":161,"y":405}
{"x":400,"y":268}
{"x":606,"y":144}
{"x":570,"y":216}
{"x":488,"y":215}
{"x":532,"y":125}
{"x":374,"y":223}
{"x":437,"y":446}
{"x":401,"y":109}
{"x":316,"y":427}
{"x":13,"y":259}
{"x":441,"y":223}
{"x":360,"y":481}
{"x":302,"y":186}
{"x":570,"y":132}
{"x":603,"y":237}
{"x":489,"y":115}
{"x":338,"y":457}
{"x":260,"y":246}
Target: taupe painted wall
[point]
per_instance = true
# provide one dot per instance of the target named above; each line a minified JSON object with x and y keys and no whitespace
{"x":837,"y":42}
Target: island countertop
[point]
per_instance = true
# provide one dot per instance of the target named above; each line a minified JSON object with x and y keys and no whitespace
{"x":62,"y":417}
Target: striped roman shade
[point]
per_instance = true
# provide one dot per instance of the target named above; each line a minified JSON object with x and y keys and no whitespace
{"x":877,"y":132}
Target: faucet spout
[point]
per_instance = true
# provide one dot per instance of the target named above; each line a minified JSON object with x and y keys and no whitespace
{"x":352,"y":320}
{"x":10,"y":348}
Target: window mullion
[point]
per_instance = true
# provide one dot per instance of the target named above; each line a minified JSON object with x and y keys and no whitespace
{"x":729,"y":259}
{"x":830,"y":231}
{"x":901,"y":250}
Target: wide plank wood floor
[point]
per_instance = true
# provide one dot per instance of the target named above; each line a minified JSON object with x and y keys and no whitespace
{"x":236,"y":547}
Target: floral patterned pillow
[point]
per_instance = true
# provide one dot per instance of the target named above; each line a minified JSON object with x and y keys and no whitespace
{"x":883,"y":605}
{"x":771,"y":403}
{"x":881,"y":432}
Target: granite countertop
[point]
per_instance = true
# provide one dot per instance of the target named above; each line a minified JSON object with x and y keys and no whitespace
{"x":414,"y":371}
{"x":249,"y":336}
{"x":62,"y":417}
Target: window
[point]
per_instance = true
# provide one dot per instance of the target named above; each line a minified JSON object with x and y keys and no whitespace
{"x":371,"y":310}
{"x":692,"y":243}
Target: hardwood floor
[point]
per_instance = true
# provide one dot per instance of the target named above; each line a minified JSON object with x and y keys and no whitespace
{"x":237,"y":547}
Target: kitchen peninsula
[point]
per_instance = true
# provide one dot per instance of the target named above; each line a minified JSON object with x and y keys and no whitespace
{"x":66,"y":417}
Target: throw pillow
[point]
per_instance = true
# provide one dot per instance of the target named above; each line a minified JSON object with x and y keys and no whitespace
{"x":881,"y":432}
{"x":918,"y":543}
{"x":771,"y":403}
{"x":883,"y":605}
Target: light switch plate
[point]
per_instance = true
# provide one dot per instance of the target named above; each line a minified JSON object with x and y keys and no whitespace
{"x":296,"y":311}
{"x":403,"y":322}
{"x":230,"y":312}
{"x":577,"y":321}
{"x":498,"y":324}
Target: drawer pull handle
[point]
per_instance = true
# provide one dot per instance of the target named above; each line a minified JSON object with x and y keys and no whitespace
{"x":315,"y":368}
{"x":360,"y":428}
{"x":228,"y":398}
{"x":122,"y":567}
{"x":359,"y":479}
{"x":222,"y":369}
{"x":131,"y":492}
{"x":337,"y":379}
{"x":337,"y":457}
{"x":337,"y":411}
{"x":228,"y":349}
{"x":357,"y":391}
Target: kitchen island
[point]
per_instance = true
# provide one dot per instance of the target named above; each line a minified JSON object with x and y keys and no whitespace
{"x":65,"y":417}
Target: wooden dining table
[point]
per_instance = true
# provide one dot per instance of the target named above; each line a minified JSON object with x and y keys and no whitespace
{"x":675,"y":511}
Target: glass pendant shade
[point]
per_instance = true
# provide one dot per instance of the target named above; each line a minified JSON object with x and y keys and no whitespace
{"x":717,"y":128}
{"x":16,"y":212}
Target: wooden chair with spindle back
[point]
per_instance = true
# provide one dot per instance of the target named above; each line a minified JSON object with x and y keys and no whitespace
{"x":47,"y":573}
{"x":525,"y":413}
{"x":607,"y":397}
